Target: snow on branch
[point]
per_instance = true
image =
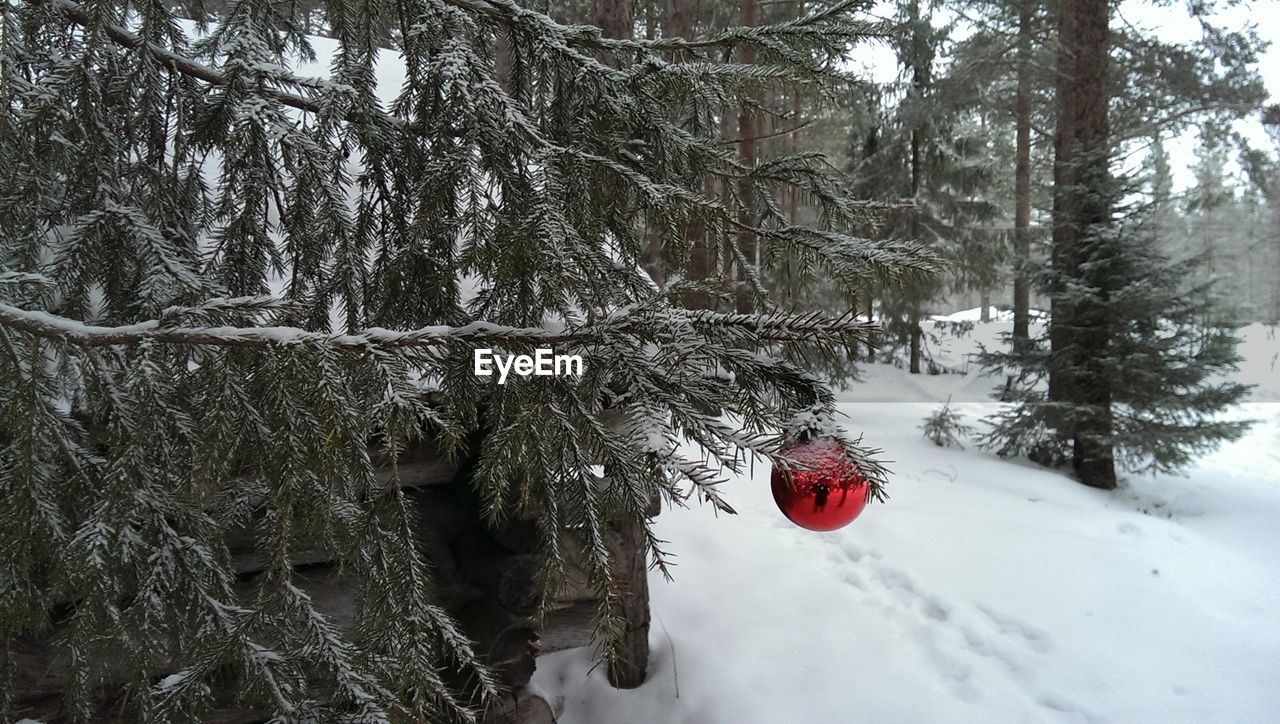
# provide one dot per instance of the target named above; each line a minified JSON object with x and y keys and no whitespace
{"x":179,"y":63}
{"x":826,"y":20}
{"x":187,"y":66}
{"x":773,"y":328}
{"x":49,"y":326}
{"x":787,"y":327}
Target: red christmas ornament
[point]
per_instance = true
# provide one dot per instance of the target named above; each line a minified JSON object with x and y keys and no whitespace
{"x":828,"y":492}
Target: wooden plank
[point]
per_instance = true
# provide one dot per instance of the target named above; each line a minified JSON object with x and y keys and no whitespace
{"x":568,"y":627}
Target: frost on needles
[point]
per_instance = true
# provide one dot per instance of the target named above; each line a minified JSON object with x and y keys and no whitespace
{"x":159,"y":183}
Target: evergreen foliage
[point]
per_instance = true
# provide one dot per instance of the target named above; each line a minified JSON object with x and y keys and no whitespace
{"x":1166,"y":350}
{"x":1129,"y":371}
{"x":945,"y":427}
{"x":920,"y":143}
{"x":204,"y":264}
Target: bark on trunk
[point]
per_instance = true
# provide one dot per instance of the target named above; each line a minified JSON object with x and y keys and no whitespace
{"x":1079,"y":200}
{"x":701,"y":264}
{"x":632,"y":666}
{"x":1022,"y":186}
{"x":613,"y":17}
{"x":917,"y":82}
{"x":747,"y":132}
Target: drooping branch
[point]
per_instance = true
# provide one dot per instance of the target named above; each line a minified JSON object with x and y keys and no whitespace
{"x":511,"y":14}
{"x":505,"y":12}
{"x":500,"y":10}
{"x":177,"y":63}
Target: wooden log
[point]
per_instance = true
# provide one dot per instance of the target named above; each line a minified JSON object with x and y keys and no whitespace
{"x":568,"y":627}
{"x":631,"y":666}
{"x":521,"y":707}
{"x":417,"y":466}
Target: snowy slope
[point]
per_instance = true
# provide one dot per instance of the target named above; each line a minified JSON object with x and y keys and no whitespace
{"x":985,"y":590}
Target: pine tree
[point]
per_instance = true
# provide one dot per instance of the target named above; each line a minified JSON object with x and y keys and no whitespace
{"x":946,"y":427}
{"x":924,"y":148}
{"x":1134,"y":357}
{"x":1008,"y":61}
{"x":1168,"y":349}
{"x":1159,"y":178}
{"x":158,"y":186}
{"x":1209,"y":196}
{"x":1263,"y":194}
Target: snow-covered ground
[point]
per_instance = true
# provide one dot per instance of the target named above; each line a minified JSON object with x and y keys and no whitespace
{"x":984,"y":590}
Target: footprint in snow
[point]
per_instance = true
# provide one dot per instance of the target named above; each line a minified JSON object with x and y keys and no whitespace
{"x":1013,"y":628}
{"x":934,"y":610}
{"x":978,"y":644}
{"x":1063,"y":706}
{"x":1129,"y":529}
{"x":853,"y":579}
{"x":851,"y":550}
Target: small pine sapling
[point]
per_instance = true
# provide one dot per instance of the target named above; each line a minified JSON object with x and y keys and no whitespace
{"x":945,"y":427}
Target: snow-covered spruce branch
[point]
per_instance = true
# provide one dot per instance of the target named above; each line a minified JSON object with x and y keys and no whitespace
{"x":795,"y":328}
{"x":42,"y":324}
{"x":824,"y":21}
{"x":507,"y":12}
{"x":773,"y":328}
{"x":169,"y":59}
{"x":655,"y":189}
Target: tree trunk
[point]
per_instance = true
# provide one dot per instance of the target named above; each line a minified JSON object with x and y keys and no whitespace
{"x":914,"y":316}
{"x":917,"y":82}
{"x":655,"y":263}
{"x":871,"y":317}
{"x":502,"y":60}
{"x":915,"y":338}
{"x":1022,"y":186}
{"x":613,"y":17}
{"x":747,"y":133}
{"x":1275,"y":242}
{"x":794,"y":201}
{"x":1080,"y":199}
{"x":630,"y":669}
{"x":679,"y":24}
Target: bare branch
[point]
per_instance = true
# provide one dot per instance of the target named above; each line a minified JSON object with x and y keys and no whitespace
{"x":775,"y":134}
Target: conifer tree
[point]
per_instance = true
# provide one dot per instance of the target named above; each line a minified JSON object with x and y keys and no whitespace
{"x":231,"y":296}
{"x":1263,"y":171}
{"x":1008,"y":63}
{"x":922,"y":147}
{"x":1131,"y":374}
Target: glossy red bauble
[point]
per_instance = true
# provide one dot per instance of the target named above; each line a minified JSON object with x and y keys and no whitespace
{"x":828,"y":492}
